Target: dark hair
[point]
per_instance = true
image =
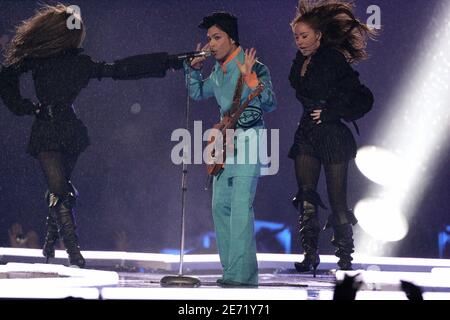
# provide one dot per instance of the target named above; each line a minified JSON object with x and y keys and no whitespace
{"x":225,"y":21}
{"x":45,"y":34}
{"x":339,"y":27}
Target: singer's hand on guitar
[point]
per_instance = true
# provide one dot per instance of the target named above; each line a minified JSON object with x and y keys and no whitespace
{"x":249,"y":62}
{"x":197,"y":63}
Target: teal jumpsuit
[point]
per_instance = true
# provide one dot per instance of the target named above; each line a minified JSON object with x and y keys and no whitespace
{"x":234,"y":188}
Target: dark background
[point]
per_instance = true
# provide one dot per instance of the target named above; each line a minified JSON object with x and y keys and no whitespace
{"x":126,"y":178}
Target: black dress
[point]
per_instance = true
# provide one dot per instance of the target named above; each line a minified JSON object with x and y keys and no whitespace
{"x":58,"y":80}
{"x":332,"y":85}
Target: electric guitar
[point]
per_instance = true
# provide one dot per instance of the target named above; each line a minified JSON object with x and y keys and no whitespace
{"x":215,"y":158}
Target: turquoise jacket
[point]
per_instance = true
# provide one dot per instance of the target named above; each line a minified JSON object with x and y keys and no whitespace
{"x":221,"y":85}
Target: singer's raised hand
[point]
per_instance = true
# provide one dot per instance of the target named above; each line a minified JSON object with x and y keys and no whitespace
{"x":249,"y":62}
{"x":197,"y":63}
{"x":315,"y":115}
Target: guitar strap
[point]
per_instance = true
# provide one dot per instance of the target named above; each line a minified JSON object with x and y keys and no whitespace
{"x":237,"y":97}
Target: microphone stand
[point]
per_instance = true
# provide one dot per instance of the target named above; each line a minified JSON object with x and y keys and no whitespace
{"x":180,"y":280}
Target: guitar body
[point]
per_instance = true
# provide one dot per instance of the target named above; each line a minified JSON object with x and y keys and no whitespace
{"x":215,"y":161}
{"x":216,"y":158}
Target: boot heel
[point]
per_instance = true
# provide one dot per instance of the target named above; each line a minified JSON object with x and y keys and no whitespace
{"x":48,"y":253}
{"x":309,"y":264}
{"x":315,"y":269}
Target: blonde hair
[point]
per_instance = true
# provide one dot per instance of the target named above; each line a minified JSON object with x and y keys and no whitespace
{"x":337,"y":23}
{"x":45,"y":34}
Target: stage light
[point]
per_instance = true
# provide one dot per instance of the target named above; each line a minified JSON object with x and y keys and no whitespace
{"x":415,"y":130}
{"x":380,"y":165}
{"x":381,"y":219}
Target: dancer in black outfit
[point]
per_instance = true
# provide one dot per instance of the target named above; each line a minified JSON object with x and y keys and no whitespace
{"x":329,"y":38}
{"x":45,"y":46}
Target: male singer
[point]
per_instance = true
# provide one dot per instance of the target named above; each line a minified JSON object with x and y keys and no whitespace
{"x":235,"y":186}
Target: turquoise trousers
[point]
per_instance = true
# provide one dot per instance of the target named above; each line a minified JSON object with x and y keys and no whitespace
{"x":232,"y":209}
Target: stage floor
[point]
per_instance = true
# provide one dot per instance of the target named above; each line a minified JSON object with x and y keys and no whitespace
{"x":136,"y":276}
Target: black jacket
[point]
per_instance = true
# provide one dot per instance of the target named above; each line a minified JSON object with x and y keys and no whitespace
{"x":59,"y":79}
{"x":331,"y":83}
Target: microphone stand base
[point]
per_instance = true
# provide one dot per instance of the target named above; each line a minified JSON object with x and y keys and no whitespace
{"x":179,"y":281}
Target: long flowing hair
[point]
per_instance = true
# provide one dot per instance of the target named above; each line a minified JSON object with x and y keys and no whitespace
{"x":337,"y":23}
{"x":44,"y":34}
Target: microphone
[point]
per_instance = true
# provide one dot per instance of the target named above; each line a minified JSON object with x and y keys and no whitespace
{"x":191,"y":55}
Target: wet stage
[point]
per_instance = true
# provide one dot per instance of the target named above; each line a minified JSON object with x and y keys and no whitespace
{"x":113,"y":275}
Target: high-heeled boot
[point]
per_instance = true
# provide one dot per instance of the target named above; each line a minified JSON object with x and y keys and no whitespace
{"x":309,"y":235}
{"x":343,"y":238}
{"x":65,"y":219}
{"x":52,"y":234}
{"x":51,"y":237}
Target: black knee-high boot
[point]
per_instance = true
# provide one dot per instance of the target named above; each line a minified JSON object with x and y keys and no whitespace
{"x":342,"y":223}
{"x":52,"y":234}
{"x":309,"y":235}
{"x":65,"y":220}
{"x":307,"y":203}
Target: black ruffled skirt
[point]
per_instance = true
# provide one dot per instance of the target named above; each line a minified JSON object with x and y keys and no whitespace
{"x":331,"y":143}
{"x":66,"y":136}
